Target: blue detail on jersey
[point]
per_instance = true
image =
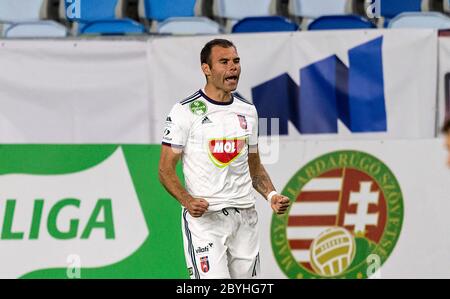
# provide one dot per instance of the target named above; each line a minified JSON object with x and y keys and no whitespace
{"x":191,"y":100}
{"x":238,"y":96}
{"x":329,"y":90}
{"x":192,"y":97}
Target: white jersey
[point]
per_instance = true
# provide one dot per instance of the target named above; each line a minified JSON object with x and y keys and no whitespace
{"x":215,"y":138}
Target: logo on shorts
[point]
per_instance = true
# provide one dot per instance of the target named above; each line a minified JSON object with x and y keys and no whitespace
{"x":242,"y":121}
{"x":202,"y":250}
{"x":347,"y":206}
{"x":223,"y":151}
{"x":198,"y":107}
{"x":204,"y":264}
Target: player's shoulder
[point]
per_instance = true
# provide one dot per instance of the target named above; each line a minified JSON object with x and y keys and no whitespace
{"x":245,"y":105}
{"x":182,"y":107}
{"x":241,"y":99}
{"x":195,"y":96}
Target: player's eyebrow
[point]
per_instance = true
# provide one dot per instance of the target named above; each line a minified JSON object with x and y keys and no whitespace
{"x":235,"y":59}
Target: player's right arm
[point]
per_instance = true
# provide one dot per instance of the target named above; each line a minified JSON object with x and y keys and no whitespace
{"x":174,"y":139}
{"x":169,"y":179}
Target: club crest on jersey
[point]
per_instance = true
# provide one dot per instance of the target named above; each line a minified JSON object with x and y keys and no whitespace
{"x":223,"y":151}
{"x":198,"y":107}
{"x":204,"y":264}
{"x":242,"y":121}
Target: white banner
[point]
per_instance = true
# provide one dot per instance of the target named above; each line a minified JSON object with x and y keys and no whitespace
{"x":335,"y":74}
{"x":354,"y":188}
{"x":74,"y":92}
{"x":358,"y":84}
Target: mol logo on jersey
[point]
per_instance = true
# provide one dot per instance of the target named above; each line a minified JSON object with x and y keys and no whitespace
{"x":223,"y":151}
{"x":346,"y":206}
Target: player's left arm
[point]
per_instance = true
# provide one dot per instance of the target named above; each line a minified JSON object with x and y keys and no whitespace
{"x":262,"y":183}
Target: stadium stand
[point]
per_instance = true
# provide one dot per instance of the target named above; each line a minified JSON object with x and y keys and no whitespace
{"x":60,"y":18}
{"x":159,"y":10}
{"x":112,"y":27}
{"x":229,"y":12}
{"x":340,"y":22}
{"x":264,"y":24}
{"x":153,"y":12}
{"x":312,"y":9}
{"x":100,"y":17}
{"x":38,"y":29}
{"x":390,"y":9}
{"x":430,"y":20}
{"x":304,"y":11}
{"x":189,"y":25}
{"x":26,"y":19}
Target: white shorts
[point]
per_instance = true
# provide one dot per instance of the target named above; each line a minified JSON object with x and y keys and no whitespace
{"x":223,"y":244}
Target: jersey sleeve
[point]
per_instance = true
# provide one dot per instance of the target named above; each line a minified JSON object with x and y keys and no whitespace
{"x":177,"y":127}
{"x":253,"y":139}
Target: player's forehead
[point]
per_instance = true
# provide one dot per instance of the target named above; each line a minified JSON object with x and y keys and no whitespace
{"x":218,"y":53}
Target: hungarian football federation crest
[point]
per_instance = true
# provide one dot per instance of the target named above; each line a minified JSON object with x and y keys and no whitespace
{"x":347,"y":207}
{"x":223,"y":151}
{"x":204,"y":264}
{"x":242,"y":121}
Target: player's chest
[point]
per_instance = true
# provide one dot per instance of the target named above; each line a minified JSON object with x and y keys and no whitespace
{"x":222,"y":125}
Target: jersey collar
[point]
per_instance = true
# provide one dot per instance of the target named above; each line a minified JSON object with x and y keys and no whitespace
{"x":216,"y":102}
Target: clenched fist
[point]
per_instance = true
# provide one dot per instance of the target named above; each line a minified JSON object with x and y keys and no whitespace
{"x":196,"y":206}
{"x":280,"y":203}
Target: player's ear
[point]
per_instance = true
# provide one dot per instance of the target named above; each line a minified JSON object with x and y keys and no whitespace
{"x":206,"y":69}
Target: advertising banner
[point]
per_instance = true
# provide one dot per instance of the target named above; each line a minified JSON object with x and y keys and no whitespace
{"x":316,"y":85}
{"x":359,"y":209}
{"x":66,"y":91}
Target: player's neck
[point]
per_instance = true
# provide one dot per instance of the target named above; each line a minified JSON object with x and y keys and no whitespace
{"x":218,"y":95}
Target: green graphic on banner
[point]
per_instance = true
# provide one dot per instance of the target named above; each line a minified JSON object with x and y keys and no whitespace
{"x":102,"y":204}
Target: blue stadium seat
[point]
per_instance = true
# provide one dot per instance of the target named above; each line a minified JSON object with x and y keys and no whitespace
{"x":20,"y":10}
{"x":264,"y":24}
{"x":91,"y":10}
{"x":99,"y":17}
{"x":391,"y":8}
{"x":315,"y":8}
{"x":239,"y":9}
{"x":431,"y":20}
{"x":112,"y":27}
{"x":340,"y":22}
{"x":159,"y":10}
{"x":36,"y":29}
{"x":189,"y":25}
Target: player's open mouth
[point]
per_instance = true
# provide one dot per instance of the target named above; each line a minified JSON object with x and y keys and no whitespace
{"x":231,"y":79}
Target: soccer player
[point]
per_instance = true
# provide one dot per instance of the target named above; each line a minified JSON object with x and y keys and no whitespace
{"x":214,"y":132}
{"x":446,"y":131}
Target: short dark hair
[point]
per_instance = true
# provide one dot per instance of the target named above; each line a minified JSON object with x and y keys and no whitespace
{"x":446,"y":127}
{"x":205,"y":54}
